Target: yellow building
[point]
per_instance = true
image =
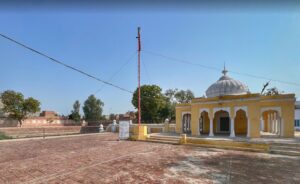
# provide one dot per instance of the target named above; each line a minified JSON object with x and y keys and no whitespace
{"x":230,"y":109}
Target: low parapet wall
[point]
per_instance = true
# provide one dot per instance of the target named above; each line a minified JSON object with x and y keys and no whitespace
{"x":38,"y":122}
{"x":22,"y":132}
{"x":151,"y":128}
{"x":5,"y":122}
{"x":228,"y":144}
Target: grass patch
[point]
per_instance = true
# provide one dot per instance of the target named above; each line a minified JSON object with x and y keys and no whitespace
{"x":3,"y":136}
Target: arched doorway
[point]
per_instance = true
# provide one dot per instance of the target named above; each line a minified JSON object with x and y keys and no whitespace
{"x":186,"y":123}
{"x":221,"y":124}
{"x":270,"y":123}
{"x":240,"y":123}
{"x":204,"y":123}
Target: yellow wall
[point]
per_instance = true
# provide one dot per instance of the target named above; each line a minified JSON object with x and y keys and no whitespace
{"x":205,"y":123}
{"x":195,"y":122}
{"x":254,"y":103}
{"x":240,"y":122}
{"x":181,"y":108}
{"x":288,"y":114}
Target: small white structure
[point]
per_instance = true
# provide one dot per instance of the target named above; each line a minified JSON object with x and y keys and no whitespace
{"x":101,"y":128}
{"x":114,"y":126}
{"x":123,"y":129}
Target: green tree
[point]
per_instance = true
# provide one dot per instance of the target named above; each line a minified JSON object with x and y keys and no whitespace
{"x":183,"y":96}
{"x":1,"y":110}
{"x":173,"y":97}
{"x":112,"y":116}
{"x":17,"y":107}
{"x":93,"y":109}
{"x":166,"y":111}
{"x":152,"y":100}
{"x":75,"y":113}
{"x":171,"y":103}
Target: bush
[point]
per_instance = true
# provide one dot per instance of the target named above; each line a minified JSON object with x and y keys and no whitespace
{"x":3,"y":136}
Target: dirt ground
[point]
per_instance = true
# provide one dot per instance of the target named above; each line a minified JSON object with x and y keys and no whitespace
{"x":103,"y":159}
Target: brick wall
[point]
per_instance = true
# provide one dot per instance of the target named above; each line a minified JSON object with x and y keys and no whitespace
{"x":33,"y":122}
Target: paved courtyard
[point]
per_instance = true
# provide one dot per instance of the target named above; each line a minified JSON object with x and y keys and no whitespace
{"x":102,"y":159}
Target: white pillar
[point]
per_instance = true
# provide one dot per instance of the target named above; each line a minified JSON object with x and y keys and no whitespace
{"x":198,"y":126}
{"x":282,"y":127}
{"x":248,"y":127}
{"x":278,"y":125}
{"x":211,"y":132}
{"x":275,"y":123}
{"x":272,"y":123}
{"x":269,"y":123}
{"x":189,"y":123}
{"x":232,"y":133}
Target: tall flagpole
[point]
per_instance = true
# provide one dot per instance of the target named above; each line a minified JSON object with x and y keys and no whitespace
{"x":139,"y":76}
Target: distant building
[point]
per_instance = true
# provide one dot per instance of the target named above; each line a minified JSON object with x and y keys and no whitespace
{"x":297,"y":115}
{"x":48,"y":114}
{"x":48,"y":118}
{"x":130,"y":115}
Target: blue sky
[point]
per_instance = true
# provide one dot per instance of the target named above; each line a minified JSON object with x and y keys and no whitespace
{"x":264,"y":43}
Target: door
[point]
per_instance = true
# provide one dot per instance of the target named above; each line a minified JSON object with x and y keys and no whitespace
{"x":186,"y":124}
{"x":224,"y":124}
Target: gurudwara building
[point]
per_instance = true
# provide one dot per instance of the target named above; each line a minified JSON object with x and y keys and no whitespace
{"x":230,"y":109}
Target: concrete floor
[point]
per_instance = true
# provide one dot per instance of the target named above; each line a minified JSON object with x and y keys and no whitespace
{"x":102,"y":159}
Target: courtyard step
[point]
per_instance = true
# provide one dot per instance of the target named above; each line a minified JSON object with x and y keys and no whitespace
{"x":286,"y":148}
{"x":283,"y":152}
{"x":164,"y":139}
{"x":229,"y":147}
{"x":292,"y":149}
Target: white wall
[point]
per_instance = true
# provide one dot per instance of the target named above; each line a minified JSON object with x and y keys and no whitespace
{"x":297,"y":113}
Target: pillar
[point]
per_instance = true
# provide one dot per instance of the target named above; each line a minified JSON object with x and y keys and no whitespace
{"x":248,"y":127}
{"x":269,"y":123}
{"x":232,"y":133}
{"x":272,"y":123}
{"x":276,"y":125}
{"x":182,"y":139}
{"x":198,"y":127}
{"x":211,"y":125}
{"x":281,"y":127}
{"x":166,"y":125}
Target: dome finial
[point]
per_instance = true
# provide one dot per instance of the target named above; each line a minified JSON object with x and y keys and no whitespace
{"x":224,"y":70}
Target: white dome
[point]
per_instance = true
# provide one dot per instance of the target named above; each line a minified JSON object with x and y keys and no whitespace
{"x":226,"y":86}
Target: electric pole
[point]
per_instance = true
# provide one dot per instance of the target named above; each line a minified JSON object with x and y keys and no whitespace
{"x":139,"y":76}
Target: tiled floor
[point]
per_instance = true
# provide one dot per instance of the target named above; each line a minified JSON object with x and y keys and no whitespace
{"x":103,"y":159}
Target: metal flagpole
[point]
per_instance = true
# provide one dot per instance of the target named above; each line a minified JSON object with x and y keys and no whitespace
{"x":139,"y":76}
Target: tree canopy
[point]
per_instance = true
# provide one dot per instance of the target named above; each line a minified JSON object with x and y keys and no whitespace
{"x":152,"y":100}
{"x":184,"y":96}
{"x":75,"y":113}
{"x":17,"y":107}
{"x":157,"y":106}
{"x":93,"y":109}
